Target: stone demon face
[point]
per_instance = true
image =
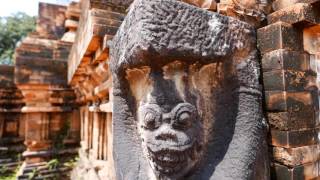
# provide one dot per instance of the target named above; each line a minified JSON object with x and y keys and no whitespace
{"x":168,"y":121}
{"x":170,"y":139}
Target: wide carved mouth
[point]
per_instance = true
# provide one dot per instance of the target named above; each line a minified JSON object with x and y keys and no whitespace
{"x":171,"y":161}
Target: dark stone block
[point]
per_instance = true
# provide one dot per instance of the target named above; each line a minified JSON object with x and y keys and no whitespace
{"x":291,"y":139}
{"x":289,"y":80}
{"x":286,"y":60}
{"x":279,"y":36}
{"x":291,"y":101}
{"x":307,"y":171}
{"x":293,"y":120}
{"x":149,"y":36}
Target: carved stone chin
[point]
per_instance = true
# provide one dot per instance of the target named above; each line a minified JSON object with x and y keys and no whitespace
{"x":171,"y":141}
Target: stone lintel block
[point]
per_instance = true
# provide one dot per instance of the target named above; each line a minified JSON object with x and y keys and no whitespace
{"x":291,"y":101}
{"x":306,"y":171}
{"x":47,"y":72}
{"x":292,"y":139}
{"x":289,"y":80}
{"x":296,"y":156}
{"x":281,"y":4}
{"x":302,"y":13}
{"x":293,"y":120}
{"x":279,"y":35}
{"x":285,"y":59}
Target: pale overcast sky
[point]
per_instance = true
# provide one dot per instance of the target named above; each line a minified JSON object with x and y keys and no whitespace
{"x":30,"y":7}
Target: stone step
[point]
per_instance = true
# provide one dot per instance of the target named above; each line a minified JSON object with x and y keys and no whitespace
{"x":5,"y":160}
{"x":10,"y":164}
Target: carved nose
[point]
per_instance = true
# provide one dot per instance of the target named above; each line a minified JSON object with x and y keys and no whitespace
{"x":166,"y":118}
{"x":167,"y":137}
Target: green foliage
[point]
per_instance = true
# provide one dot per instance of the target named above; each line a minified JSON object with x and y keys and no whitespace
{"x":32,"y":174}
{"x":3,"y":169}
{"x":12,"y":30}
{"x":53,"y":164}
{"x":5,"y":175}
{"x":72,"y":162}
{"x":11,"y":176}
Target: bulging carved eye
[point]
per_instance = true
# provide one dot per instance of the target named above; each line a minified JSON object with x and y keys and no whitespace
{"x":150,"y":121}
{"x":149,"y":116}
{"x":185,"y":115}
{"x":184,"y":120}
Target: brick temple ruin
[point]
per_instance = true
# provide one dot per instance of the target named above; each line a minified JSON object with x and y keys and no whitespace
{"x":99,"y":78}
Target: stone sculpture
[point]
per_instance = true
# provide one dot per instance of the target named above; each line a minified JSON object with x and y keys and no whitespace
{"x":187,"y":98}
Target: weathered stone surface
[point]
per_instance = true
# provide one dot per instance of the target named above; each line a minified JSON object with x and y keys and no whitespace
{"x":306,"y":171}
{"x":279,"y":35}
{"x":253,"y":12}
{"x":204,"y":4}
{"x":195,"y":64}
{"x":293,"y":120}
{"x":33,"y":71}
{"x":51,"y":21}
{"x":95,"y":23}
{"x":6,"y":76}
{"x":296,"y":156}
{"x":311,"y":39}
{"x":302,"y":13}
{"x":283,"y":59}
{"x":291,"y":101}
{"x":289,"y":80}
{"x":280,"y":4}
{"x":292,"y":139}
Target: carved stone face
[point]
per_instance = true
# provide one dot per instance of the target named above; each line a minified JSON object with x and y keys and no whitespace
{"x":168,"y":121}
{"x":171,"y":140}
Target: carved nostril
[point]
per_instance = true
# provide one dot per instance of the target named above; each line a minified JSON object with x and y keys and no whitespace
{"x":167,"y":137}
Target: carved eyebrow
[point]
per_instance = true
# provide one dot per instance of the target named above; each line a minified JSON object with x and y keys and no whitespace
{"x":183,"y":107}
